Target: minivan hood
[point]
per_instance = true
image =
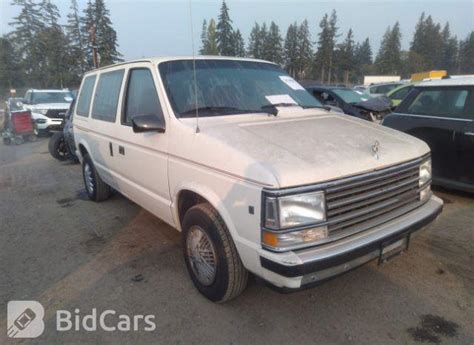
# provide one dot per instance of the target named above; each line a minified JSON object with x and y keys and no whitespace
{"x":54,"y":106}
{"x":287,"y":152}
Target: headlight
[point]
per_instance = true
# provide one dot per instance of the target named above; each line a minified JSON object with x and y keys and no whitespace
{"x":281,"y":214}
{"x":425,"y":172}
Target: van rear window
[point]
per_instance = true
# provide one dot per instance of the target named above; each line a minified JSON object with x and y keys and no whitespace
{"x":84,"y":100}
{"x":107,"y":95}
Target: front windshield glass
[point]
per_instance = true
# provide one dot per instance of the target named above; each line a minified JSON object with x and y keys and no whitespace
{"x":350,"y":96}
{"x":51,"y":97}
{"x":227,"y":87}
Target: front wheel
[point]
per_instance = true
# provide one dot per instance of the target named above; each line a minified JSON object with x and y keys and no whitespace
{"x":211,"y":256}
{"x":58,"y":147}
{"x":97,"y":190}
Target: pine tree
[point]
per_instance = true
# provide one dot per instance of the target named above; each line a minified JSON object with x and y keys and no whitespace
{"x":106,"y":35}
{"x":362,"y":59}
{"x":27,"y":25}
{"x":239,"y":44}
{"x":426,"y":49}
{"x":388,"y":59}
{"x":304,"y":49}
{"x":87,"y":25}
{"x":255,"y":46}
{"x":324,"y":56}
{"x":225,"y":32}
{"x":291,"y":49}
{"x":204,"y":41}
{"x":76,"y":53}
{"x":466,"y":55}
{"x":9,"y":69}
{"x":450,"y":50}
{"x":345,"y":57}
{"x":272,"y":44}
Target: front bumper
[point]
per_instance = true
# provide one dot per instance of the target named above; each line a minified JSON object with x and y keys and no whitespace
{"x":47,"y":123}
{"x":299,"y":269}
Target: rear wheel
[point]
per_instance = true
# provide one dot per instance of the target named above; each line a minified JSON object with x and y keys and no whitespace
{"x":97,"y":190}
{"x":211,"y":256}
{"x":58,"y":147}
{"x":18,"y":140}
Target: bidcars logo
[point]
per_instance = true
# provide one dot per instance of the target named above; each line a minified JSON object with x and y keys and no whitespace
{"x":25,"y":319}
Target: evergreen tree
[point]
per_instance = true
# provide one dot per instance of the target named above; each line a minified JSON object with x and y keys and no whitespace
{"x":76,"y":53}
{"x":9,"y":69}
{"x":255,"y":46}
{"x":427,"y":45}
{"x":388,"y":59}
{"x":50,"y":13}
{"x":291,"y":49}
{"x":106,"y":35}
{"x":345,"y":57}
{"x":211,"y":48}
{"x":225,"y":32}
{"x":239,"y":44}
{"x":466,"y":55}
{"x":450,"y":50}
{"x":324,"y":57}
{"x":27,"y":25}
{"x":304,"y":49}
{"x":272,"y":45}
{"x":362,"y":59}
{"x":87,"y":25}
{"x":204,"y":39}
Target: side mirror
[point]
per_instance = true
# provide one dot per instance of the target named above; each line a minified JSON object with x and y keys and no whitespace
{"x":148,"y":123}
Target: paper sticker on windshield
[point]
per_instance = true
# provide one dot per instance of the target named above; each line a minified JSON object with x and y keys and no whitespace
{"x":291,"y":82}
{"x":280,"y":99}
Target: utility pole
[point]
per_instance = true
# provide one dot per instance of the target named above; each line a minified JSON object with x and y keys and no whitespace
{"x":93,"y":38}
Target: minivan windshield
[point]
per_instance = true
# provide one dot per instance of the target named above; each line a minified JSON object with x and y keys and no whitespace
{"x":51,"y":97}
{"x":350,"y":96}
{"x":228,"y":87}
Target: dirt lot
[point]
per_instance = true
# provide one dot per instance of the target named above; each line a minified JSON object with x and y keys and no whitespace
{"x":68,"y":253}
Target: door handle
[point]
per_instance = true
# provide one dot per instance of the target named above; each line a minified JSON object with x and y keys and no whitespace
{"x":471,"y":134}
{"x":111,"y":149}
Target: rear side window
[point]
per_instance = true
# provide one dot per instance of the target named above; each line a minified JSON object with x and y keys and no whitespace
{"x":400,"y":94}
{"x":107,"y":95}
{"x":141,"y":98}
{"x":447,"y":102}
{"x":84,"y":100}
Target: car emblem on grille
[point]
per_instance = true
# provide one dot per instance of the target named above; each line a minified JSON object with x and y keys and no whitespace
{"x":375,"y":149}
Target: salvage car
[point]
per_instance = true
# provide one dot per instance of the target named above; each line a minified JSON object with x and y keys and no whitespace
{"x":352,"y":102}
{"x":48,"y":108}
{"x":381,"y":89}
{"x":253,"y":171}
{"x":441,"y":112}
{"x":399,"y":93}
{"x":61,"y":144}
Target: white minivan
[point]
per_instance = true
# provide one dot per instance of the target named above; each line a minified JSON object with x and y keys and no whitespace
{"x":255,"y":173}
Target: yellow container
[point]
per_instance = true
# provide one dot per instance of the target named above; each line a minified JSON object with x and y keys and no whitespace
{"x":428,"y":75}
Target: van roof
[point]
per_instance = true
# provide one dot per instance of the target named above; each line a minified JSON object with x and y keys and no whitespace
{"x":448,"y":82}
{"x":158,"y":59}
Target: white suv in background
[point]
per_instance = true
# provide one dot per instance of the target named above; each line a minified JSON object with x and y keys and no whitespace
{"x":257,"y":175}
{"x":48,"y":107}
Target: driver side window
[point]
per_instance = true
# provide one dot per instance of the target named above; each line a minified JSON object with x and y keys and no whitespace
{"x":141,"y":96}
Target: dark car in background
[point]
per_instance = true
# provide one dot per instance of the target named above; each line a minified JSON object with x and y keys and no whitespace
{"x":352,"y":102}
{"x":441,"y":112}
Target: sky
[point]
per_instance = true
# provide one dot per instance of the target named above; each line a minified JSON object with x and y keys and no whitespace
{"x":158,"y":27}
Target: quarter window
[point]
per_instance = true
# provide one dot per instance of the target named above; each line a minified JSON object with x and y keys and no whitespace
{"x":107,"y":95}
{"x":440,"y":102}
{"x":84,"y":100}
{"x":141,"y":98}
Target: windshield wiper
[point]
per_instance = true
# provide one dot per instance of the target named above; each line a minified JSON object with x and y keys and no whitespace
{"x":223,"y":110}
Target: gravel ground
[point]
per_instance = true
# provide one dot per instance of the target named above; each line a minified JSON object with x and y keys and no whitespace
{"x":68,"y":253}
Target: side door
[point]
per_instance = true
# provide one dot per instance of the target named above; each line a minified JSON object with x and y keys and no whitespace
{"x":142,"y":158}
{"x":103,"y":123}
{"x":465,"y":144}
{"x":434,"y":116}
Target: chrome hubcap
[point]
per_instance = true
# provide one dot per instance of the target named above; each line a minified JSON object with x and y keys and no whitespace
{"x":88,"y":178}
{"x":202,"y":255}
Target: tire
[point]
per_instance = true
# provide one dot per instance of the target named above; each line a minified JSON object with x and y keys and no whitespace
{"x":18,"y":140}
{"x":230,"y":276}
{"x":97,"y":190}
{"x":57,"y":147}
{"x":32,"y":138}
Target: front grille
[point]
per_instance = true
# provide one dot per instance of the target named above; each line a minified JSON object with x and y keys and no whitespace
{"x":365,"y":201}
{"x":56,"y":113}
